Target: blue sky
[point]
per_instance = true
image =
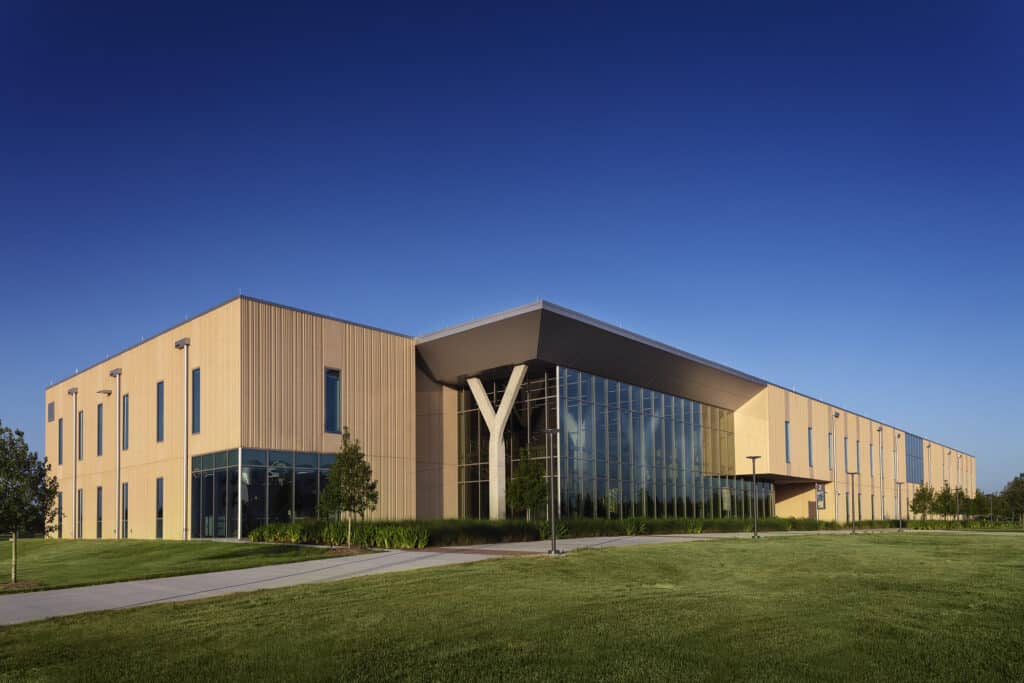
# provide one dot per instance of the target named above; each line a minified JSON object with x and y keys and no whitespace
{"x":827,"y":198}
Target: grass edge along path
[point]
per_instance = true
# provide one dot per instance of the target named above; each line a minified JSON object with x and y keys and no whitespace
{"x":871,"y":607}
{"x":45,"y":564}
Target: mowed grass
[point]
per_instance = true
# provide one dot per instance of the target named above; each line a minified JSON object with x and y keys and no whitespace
{"x":871,"y":607}
{"x":52,"y":563}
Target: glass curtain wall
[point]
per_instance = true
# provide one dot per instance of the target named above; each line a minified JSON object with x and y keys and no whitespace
{"x":215,"y":495}
{"x":277,"y":486}
{"x":535,"y":410}
{"x":627,"y":451}
{"x":915,"y":459}
{"x":623,"y":450}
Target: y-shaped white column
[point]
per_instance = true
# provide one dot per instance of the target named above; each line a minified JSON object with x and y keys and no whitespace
{"x":496,"y":426}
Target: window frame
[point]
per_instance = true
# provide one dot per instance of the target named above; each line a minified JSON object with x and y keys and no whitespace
{"x":99,"y":430}
{"x":787,"y":441}
{"x":159,"y":507}
{"x":125,"y":404}
{"x":160,"y":411}
{"x":99,"y":512}
{"x":810,"y":447}
{"x":124,"y":509}
{"x":197,"y":379}
{"x":336,"y":374}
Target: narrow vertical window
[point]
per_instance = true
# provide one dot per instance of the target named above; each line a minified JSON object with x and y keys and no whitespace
{"x":78,"y":526}
{"x":159,"y":411}
{"x":49,"y":411}
{"x":871,"y":464}
{"x":124,"y":422}
{"x":99,"y":512}
{"x":99,"y":430}
{"x":846,"y":453}
{"x":195,"y":400}
{"x":81,"y":433}
{"x":787,"y":442}
{"x":810,"y":447}
{"x":60,"y":441}
{"x":60,"y":514}
{"x":831,"y":452}
{"x":124,"y":510}
{"x":858,"y":459}
{"x":332,"y":401}
{"x":160,"y":507}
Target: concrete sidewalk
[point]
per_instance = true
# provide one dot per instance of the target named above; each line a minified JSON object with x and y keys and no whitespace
{"x":21,"y":607}
{"x":569,"y":544}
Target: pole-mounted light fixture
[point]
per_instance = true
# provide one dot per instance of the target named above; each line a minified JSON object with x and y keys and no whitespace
{"x":73,"y":393}
{"x":550,"y":435}
{"x":118,"y":435}
{"x":753,"y":463}
{"x":182,"y":345}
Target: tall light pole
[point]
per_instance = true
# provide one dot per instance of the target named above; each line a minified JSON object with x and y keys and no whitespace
{"x":853,"y":513}
{"x":552,"y":490}
{"x":881,"y":472}
{"x":106,"y":393}
{"x":928,"y":459}
{"x":119,"y":532}
{"x":73,"y":393}
{"x":753,"y":463}
{"x":958,"y":455}
{"x":832,"y":457}
{"x":896,"y":480}
{"x":183,"y":344}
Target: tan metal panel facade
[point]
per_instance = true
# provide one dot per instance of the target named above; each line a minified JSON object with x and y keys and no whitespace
{"x":262,"y":386}
{"x":437,"y":449}
{"x":761,"y":430}
{"x":214,"y":350}
{"x":285,"y":353}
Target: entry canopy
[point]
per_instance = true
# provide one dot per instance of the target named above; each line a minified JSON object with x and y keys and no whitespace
{"x":542,"y":334}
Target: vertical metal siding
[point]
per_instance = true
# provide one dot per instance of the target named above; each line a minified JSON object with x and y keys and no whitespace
{"x":284,"y":354}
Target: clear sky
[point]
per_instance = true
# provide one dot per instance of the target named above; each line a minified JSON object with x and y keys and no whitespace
{"x":828,"y":197}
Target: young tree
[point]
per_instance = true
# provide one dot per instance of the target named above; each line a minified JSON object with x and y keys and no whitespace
{"x":921,"y":503}
{"x":528,"y":489}
{"x":351,"y":487}
{"x":28,"y":493}
{"x":1013,"y":496}
{"x":943,"y":503}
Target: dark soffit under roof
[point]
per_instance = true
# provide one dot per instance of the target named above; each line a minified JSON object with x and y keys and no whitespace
{"x":542,"y":333}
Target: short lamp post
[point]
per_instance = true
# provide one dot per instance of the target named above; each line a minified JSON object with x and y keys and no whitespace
{"x":552,"y":489}
{"x":753,"y":463}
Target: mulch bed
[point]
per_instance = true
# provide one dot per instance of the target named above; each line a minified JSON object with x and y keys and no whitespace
{"x":19,"y":586}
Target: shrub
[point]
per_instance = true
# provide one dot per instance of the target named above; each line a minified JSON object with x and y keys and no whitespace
{"x":634,"y":526}
{"x":544,"y":530}
{"x":446,"y":532}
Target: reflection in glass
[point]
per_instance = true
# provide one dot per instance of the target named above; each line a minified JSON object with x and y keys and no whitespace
{"x":623,"y":450}
{"x":254,"y":498}
{"x":279,"y":494}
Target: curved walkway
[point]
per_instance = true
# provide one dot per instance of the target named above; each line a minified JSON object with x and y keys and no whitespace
{"x":21,"y":607}
{"x":17,"y":608}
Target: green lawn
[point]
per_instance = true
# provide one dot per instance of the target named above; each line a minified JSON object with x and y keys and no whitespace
{"x":58,"y":564}
{"x":823,"y":608}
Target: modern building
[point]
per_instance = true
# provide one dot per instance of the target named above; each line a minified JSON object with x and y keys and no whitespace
{"x":232,"y":418}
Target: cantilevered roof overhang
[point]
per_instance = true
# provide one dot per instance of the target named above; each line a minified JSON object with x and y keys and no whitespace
{"x":543,"y":334}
